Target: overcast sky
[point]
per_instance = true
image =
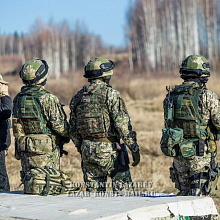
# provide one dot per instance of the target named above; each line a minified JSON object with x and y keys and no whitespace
{"x":106,"y":18}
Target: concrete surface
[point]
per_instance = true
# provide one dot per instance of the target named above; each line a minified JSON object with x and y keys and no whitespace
{"x":84,"y":207}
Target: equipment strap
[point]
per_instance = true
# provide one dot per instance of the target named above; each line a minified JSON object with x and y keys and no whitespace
{"x":202,"y":175}
{"x":46,"y":189}
{"x":105,"y":139}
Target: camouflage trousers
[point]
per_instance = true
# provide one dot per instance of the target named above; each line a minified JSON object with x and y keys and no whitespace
{"x":190,"y":174}
{"x":4,"y":182}
{"x":98,"y":159}
{"x":36,"y":151}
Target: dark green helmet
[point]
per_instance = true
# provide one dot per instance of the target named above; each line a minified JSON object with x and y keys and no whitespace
{"x":34,"y":72}
{"x":195,"y":65}
{"x":98,"y":67}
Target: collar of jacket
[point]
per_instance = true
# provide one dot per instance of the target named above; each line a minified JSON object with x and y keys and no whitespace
{"x":189,"y":82}
{"x":31,"y":88}
{"x":100,"y":82}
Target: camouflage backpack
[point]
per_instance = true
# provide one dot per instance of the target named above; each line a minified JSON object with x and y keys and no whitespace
{"x":183,"y":119}
{"x":92,"y":117}
{"x":27,"y":108}
{"x":46,"y":181}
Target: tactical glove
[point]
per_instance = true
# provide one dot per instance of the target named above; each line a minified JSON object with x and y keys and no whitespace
{"x":136,"y":158}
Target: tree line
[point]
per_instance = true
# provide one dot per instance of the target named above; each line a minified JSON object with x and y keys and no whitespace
{"x":64,"y":49}
{"x":161,"y":33}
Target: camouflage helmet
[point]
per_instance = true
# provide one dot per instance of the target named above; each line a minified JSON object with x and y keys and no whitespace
{"x":195,"y":65}
{"x":98,"y":67}
{"x":34,"y":72}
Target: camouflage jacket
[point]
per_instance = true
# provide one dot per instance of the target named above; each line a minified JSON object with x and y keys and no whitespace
{"x":208,"y":107}
{"x":51,"y":110}
{"x":117,"y":112}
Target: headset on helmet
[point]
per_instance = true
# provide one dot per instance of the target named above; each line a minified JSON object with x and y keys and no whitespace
{"x":195,"y":65}
{"x":98,"y":67}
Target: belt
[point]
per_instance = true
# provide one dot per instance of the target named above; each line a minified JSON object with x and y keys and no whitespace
{"x":105,"y":139}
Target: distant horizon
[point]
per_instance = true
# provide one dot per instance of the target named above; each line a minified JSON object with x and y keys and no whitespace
{"x":103,"y":18}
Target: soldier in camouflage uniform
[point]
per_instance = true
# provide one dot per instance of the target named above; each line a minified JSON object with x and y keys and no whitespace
{"x":197,"y":112}
{"x":39,"y":121}
{"x":98,"y":120}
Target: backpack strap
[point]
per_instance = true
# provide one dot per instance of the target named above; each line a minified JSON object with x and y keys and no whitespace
{"x":46,"y":189}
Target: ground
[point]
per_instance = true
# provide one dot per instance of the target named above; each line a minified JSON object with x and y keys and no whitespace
{"x":143,"y":97}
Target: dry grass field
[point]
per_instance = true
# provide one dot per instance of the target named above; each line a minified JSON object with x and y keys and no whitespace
{"x":143,"y":97}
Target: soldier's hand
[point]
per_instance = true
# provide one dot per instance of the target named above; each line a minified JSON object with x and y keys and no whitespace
{"x":136,"y":158}
{"x":4,"y":89}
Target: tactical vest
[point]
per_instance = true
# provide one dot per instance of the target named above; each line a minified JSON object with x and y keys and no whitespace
{"x":27,"y":108}
{"x":92,"y":116}
{"x":185,"y":100}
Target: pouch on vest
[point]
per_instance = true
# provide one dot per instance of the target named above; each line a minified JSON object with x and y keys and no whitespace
{"x":47,"y":181}
{"x":18,"y":129}
{"x":168,"y":107}
{"x":28,"y":109}
{"x":168,"y":113}
{"x":187,"y":148}
{"x":212,"y":146}
{"x":171,"y":137}
{"x":37,"y":144}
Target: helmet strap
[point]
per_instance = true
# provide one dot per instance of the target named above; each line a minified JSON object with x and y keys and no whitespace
{"x":199,"y":72}
{"x":43,"y":83}
{"x":200,"y":80}
{"x":106,"y":79}
{"x":93,"y":73}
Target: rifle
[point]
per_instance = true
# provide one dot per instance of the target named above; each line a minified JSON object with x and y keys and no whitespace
{"x":60,"y":141}
{"x":122,"y":160}
{"x":62,"y":151}
{"x":122,"y":154}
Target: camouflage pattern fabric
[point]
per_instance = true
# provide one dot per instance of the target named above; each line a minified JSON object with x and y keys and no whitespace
{"x":34,"y":72}
{"x":187,"y":167}
{"x":47,"y":153}
{"x":97,"y":164}
{"x":4,"y":182}
{"x":46,"y":181}
{"x":195,"y":65}
{"x":209,"y":109}
{"x":117,"y":111}
{"x":51,"y":109}
{"x":38,"y":151}
{"x":95,"y":64}
{"x":92,"y":118}
{"x":122,"y":183}
{"x":98,"y":157}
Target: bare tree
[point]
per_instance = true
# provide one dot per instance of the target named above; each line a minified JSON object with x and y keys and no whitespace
{"x":64,"y":49}
{"x":162,"y":32}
